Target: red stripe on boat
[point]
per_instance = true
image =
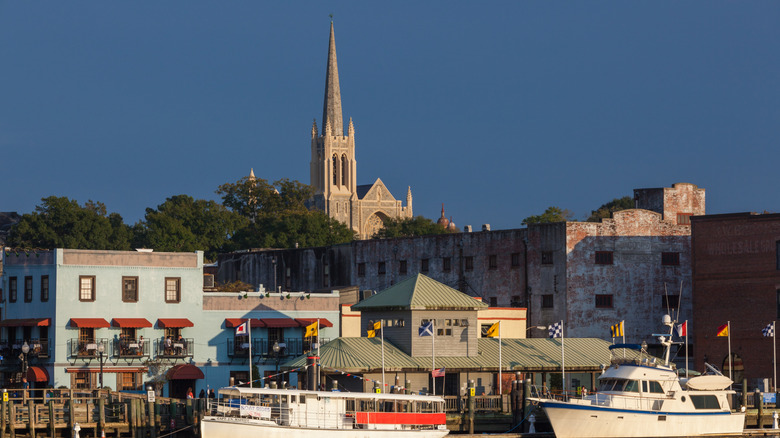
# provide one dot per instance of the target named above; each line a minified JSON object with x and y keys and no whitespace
{"x":400,"y":418}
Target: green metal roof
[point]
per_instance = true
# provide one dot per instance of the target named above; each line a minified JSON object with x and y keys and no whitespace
{"x":357,"y":355}
{"x":419,"y":292}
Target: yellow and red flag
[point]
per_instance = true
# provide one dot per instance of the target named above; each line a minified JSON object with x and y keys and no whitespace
{"x":723,"y":330}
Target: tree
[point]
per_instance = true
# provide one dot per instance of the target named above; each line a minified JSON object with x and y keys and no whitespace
{"x":552,"y":214}
{"x":310,"y":228}
{"x":255,"y":197}
{"x":408,"y":227}
{"x":182,"y":223}
{"x":59,"y":222}
{"x":606,"y":210}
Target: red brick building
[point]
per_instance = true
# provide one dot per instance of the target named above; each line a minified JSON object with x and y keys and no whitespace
{"x":736,"y":277}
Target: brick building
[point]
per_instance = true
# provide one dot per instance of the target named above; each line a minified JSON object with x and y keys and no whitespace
{"x":736,"y":278}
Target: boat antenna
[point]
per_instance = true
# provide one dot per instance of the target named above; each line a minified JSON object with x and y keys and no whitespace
{"x":679,"y":301}
{"x":666,"y":298}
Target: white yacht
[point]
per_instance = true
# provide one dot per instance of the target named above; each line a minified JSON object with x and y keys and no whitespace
{"x":290,"y":413}
{"x":641,"y":397}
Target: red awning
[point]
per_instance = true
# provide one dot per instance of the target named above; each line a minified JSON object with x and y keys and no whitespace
{"x":108,"y":370}
{"x":309,"y":321}
{"x":235,"y":322}
{"x":174,"y":323}
{"x":184,"y":371}
{"x":89,"y":323}
{"x":26,"y":322}
{"x":131,"y":322}
{"x":37,"y":374}
{"x":280,"y":322}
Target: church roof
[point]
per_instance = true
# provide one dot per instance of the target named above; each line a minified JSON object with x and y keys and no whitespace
{"x":331,"y":112}
{"x":419,"y":292}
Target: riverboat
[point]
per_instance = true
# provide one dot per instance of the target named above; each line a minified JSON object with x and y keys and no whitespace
{"x":641,"y":397}
{"x":289,"y":413}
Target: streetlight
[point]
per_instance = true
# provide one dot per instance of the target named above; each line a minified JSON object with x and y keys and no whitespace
{"x":276,"y":349}
{"x":101,"y":348}
{"x":25,"y":350}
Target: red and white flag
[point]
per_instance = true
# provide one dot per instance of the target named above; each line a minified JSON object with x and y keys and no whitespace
{"x":682,"y":329}
{"x":242,"y":329}
{"x":438,"y":373}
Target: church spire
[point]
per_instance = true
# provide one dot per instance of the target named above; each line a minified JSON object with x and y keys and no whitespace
{"x":331,"y":111}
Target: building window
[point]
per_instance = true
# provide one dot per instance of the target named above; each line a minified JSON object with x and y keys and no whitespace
{"x":515,"y":259}
{"x":670,"y":258}
{"x":381,"y":268}
{"x":547,"y":257}
{"x":424,"y":265}
{"x":604,"y":301}
{"x":128,"y":381}
{"x":603,"y":257}
{"x":87,"y":288}
{"x":130,"y":289}
{"x":493,"y":261}
{"x":28,"y":289}
{"x":684,"y":218}
{"x":81,"y":380}
{"x":402,"y":268}
{"x":173,"y":290}
{"x":361,"y":269}
{"x":446,"y":264}
{"x":670,"y":302}
{"x":12,"y":289}
{"x":44,"y":288}
{"x":547,"y":301}
{"x":493,"y":301}
{"x":469,"y":262}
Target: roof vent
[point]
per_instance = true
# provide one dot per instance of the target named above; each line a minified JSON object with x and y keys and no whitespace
{"x":467,"y":229}
{"x":485,"y":227}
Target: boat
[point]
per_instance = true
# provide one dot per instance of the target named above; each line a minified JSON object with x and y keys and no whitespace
{"x":240,"y":412}
{"x":643,"y":397}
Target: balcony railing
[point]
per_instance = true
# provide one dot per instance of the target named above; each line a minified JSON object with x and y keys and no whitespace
{"x":175,"y":349}
{"x":88,"y":348}
{"x":131,"y":348}
{"x":38,"y":348}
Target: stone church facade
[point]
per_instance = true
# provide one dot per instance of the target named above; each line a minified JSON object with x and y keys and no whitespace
{"x":333,"y":167}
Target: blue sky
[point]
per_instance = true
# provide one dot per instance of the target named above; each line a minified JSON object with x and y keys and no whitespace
{"x":496,"y":109}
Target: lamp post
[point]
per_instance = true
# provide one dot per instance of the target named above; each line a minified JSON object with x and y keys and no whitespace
{"x":101,"y":349}
{"x":25,"y":351}
{"x":276,"y":349}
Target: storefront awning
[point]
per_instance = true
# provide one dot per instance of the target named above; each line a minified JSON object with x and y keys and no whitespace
{"x":235,"y":322}
{"x":184,"y":372}
{"x":26,"y":322}
{"x":304,"y":322}
{"x":174,"y":323}
{"x":89,"y":323}
{"x":131,"y":322}
{"x":108,"y":369}
{"x":280,"y":322}
{"x":37,"y":374}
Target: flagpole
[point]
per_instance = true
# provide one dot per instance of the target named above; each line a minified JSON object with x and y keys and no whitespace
{"x":728,"y":327}
{"x":623,"y":332}
{"x":318,"y":339}
{"x":563,"y":368}
{"x":382,"y":330}
{"x":249,"y":332}
{"x":433,"y":354}
{"x":686,"y":348}
{"x":774,"y":357}
{"x":499,"y":360}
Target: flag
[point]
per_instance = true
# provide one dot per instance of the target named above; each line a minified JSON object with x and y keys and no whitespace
{"x":311,"y":330}
{"x":438,"y":373}
{"x":243,"y":329}
{"x":769,"y":330}
{"x":617,"y":330}
{"x":682,"y":329}
{"x":555,"y":330}
{"x":378,"y":325}
{"x":371,"y":333}
{"x":723,"y":330}
{"x":492,"y":332}
{"x":426,"y":329}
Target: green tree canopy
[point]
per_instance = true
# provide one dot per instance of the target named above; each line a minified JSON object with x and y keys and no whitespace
{"x":552,"y":214}
{"x":182,"y":223}
{"x":256,"y":197}
{"x":408,"y":227}
{"x":59,"y":222}
{"x":606,"y":210}
{"x":306,"y":229}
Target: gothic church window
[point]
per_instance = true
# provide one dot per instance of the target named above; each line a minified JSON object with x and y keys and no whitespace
{"x":335,"y":170}
{"x":344,"y":167}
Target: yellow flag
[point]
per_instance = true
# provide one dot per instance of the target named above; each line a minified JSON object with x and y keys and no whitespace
{"x":378,"y":325}
{"x":492,"y":332}
{"x":371,"y":333}
{"x":617,"y":330}
{"x":311,"y":330}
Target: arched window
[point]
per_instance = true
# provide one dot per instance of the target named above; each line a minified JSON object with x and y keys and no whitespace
{"x":335,"y":170}
{"x":344,"y":170}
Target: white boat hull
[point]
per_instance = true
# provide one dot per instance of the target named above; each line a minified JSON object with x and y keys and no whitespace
{"x":571,"y":421}
{"x":227,"y":427}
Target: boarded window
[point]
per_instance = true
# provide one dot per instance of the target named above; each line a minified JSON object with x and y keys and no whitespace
{"x":684,"y":218}
{"x":547,"y":301}
{"x":547,"y":257}
{"x":603,"y":257}
{"x":670,"y":258}
{"x":604,"y":301}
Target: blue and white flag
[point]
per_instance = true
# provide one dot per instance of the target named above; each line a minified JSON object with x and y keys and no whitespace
{"x":426,"y":329}
{"x":769,"y":330}
{"x":555,"y":330}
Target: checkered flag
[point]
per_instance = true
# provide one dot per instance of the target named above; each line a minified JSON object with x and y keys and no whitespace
{"x":769,"y":330}
{"x":555,"y":330}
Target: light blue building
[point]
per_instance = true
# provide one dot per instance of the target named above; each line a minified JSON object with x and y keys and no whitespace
{"x":143,"y":316}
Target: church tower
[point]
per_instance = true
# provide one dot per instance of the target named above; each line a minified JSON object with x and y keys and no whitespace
{"x":333,"y":168}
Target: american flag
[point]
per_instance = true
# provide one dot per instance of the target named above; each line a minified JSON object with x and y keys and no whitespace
{"x":438,"y":373}
{"x":555,"y":330}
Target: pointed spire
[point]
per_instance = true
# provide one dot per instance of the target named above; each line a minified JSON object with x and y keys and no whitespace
{"x":331,"y":112}
{"x":252,"y":174}
{"x":314,"y":129}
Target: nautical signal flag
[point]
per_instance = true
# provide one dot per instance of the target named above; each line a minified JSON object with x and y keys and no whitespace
{"x":682,"y":329}
{"x":378,"y":325}
{"x":555,"y":330}
{"x":426,"y":329}
{"x":617,"y":330}
{"x":438,"y":373}
{"x":311,"y":330}
{"x":492,"y":332}
{"x":723,"y":330}
{"x":371,"y":333}
{"x":769,"y":330}
{"x":243,"y":329}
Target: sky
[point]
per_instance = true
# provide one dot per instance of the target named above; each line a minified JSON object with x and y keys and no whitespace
{"x":498,"y":109}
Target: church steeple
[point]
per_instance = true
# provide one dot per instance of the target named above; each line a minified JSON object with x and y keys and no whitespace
{"x":331,"y":112}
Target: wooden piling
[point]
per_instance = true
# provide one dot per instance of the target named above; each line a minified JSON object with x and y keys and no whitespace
{"x":52,"y":419}
{"x":154,"y":420}
{"x":12,"y":419}
{"x":31,"y":417}
{"x":3,"y":410}
{"x":101,"y":405}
